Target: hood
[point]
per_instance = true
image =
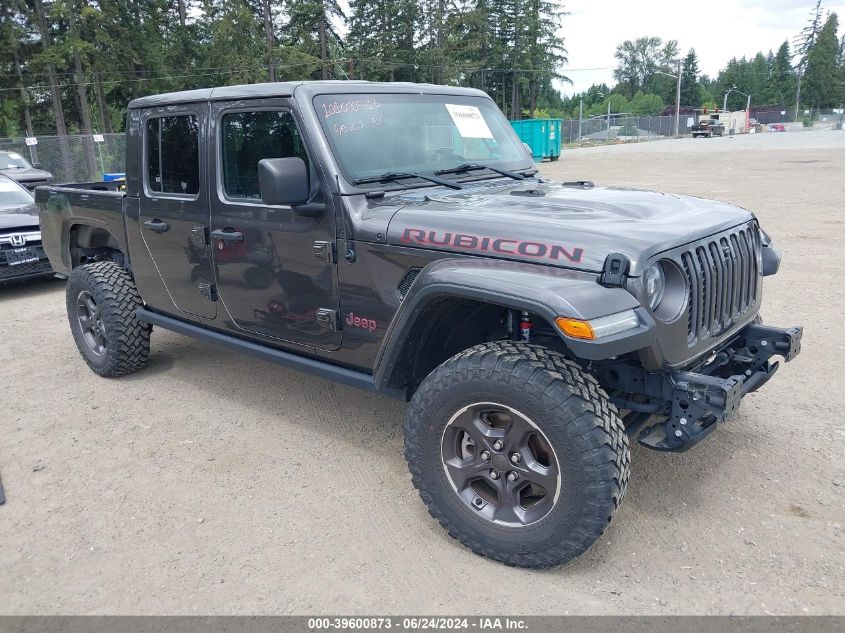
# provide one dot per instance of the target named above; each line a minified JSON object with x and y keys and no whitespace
{"x":16,"y":217}
{"x":27,"y":175}
{"x":572,"y":226}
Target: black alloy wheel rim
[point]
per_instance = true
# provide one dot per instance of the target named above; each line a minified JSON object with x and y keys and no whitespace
{"x":91,"y":323}
{"x":500,"y":464}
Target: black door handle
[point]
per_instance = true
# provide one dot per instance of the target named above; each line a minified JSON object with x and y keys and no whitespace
{"x":227,"y":235}
{"x":157,"y":225}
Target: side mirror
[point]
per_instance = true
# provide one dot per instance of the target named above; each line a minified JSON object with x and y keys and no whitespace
{"x":283,"y":181}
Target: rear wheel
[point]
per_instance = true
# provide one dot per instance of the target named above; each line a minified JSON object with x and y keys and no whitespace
{"x":517,"y":453}
{"x":101,"y":302}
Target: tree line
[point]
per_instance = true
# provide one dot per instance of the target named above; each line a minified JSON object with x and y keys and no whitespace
{"x":807,"y":74}
{"x":71,"y":66}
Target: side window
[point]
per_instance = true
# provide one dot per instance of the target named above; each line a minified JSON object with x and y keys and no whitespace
{"x":247,"y":137}
{"x":173,"y":164}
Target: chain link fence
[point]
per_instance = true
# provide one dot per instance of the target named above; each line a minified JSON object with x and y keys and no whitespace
{"x":73,"y":158}
{"x":621,"y":128}
{"x":632,"y":128}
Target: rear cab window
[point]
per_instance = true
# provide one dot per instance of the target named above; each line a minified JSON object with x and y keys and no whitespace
{"x":172,"y":155}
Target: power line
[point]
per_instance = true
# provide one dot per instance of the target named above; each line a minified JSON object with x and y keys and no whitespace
{"x":383,"y":64}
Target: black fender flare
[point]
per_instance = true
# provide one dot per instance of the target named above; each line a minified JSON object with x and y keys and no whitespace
{"x":546,"y":291}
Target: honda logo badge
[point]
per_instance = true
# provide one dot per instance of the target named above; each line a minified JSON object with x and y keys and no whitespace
{"x":18,"y":240}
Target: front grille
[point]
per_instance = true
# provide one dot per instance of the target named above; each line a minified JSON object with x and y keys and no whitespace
{"x":724,"y":277}
{"x":20,"y":270}
{"x":24,"y":270}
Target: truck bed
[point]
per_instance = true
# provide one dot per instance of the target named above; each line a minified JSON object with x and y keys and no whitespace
{"x":63,"y":207}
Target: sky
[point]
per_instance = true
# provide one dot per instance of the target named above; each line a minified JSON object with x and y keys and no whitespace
{"x":717,"y":31}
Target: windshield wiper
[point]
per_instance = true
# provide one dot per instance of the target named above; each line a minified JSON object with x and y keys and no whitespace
{"x":401,"y":175}
{"x":473,"y":166}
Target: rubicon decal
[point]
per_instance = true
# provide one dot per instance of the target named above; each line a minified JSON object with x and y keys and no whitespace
{"x":499,"y":245}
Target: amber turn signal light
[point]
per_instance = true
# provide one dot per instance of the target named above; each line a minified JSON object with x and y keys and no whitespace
{"x":575,"y":328}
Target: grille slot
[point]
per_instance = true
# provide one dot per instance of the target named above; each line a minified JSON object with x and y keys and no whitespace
{"x":723,"y":278}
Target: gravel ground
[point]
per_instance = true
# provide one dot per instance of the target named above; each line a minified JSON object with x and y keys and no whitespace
{"x":214,"y":483}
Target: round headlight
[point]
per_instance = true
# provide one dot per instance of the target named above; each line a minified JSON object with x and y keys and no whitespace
{"x":655,"y":285}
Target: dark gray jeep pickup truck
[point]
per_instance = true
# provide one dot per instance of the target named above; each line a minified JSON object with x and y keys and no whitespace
{"x":397,"y":238}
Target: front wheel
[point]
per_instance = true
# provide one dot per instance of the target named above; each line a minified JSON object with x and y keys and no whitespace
{"x":101,"y":302}
{"x":518,"y":453}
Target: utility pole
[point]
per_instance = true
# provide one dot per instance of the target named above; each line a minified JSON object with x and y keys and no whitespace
{"x":607,"y":134}
{"x":725,"y":100}
{"x":677,"y":95}
{"x":580,"y":115}
{"x":747,"y":107}
{"x":748,"y":114}
{"x":678,"y":100}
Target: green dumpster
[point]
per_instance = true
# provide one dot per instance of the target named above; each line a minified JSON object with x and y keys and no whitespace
{"x":543,"y":136}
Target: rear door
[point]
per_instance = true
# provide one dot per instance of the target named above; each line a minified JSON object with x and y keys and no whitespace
{"x":174,"y":205}
{"x":276,"y":270}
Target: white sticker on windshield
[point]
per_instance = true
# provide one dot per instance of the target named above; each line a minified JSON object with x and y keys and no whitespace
{"x":14,"y":156}
{"x":469,"y":121}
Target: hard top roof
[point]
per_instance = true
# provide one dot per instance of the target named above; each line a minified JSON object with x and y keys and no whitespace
{"x":286,"y":89}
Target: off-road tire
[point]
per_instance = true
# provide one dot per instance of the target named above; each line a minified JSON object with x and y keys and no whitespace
{"x":573,"y":412}
{"x":117,"y":299}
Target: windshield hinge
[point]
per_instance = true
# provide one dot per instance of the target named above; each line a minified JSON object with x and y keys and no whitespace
{"x":327,"y":319}
{"x":207,"y":290}
{"x":615,"y":270}
{"x":324,"y":251}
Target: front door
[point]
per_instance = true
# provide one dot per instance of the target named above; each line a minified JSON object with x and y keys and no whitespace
{"x":174,"y":206}
{"x":271,"y":283}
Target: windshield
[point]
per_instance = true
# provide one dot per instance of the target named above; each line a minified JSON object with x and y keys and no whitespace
{"x":375,"y":134}
{"x":12,"y":194}
{"x":12,"y":160}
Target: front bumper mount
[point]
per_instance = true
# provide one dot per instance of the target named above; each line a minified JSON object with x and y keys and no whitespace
{"x":692,"y":403}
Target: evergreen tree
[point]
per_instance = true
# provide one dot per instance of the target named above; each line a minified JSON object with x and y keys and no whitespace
{"x":807,"y":37}
{"x":310,"y":33}
{"x":380,"y":41}
{"x":822,"y":88}
{"x":690,"y":90}
{"x":804,"y":42}
{"x":781,"y":84}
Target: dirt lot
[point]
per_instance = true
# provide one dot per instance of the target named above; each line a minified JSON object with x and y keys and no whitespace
{"x":214,"y":483}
